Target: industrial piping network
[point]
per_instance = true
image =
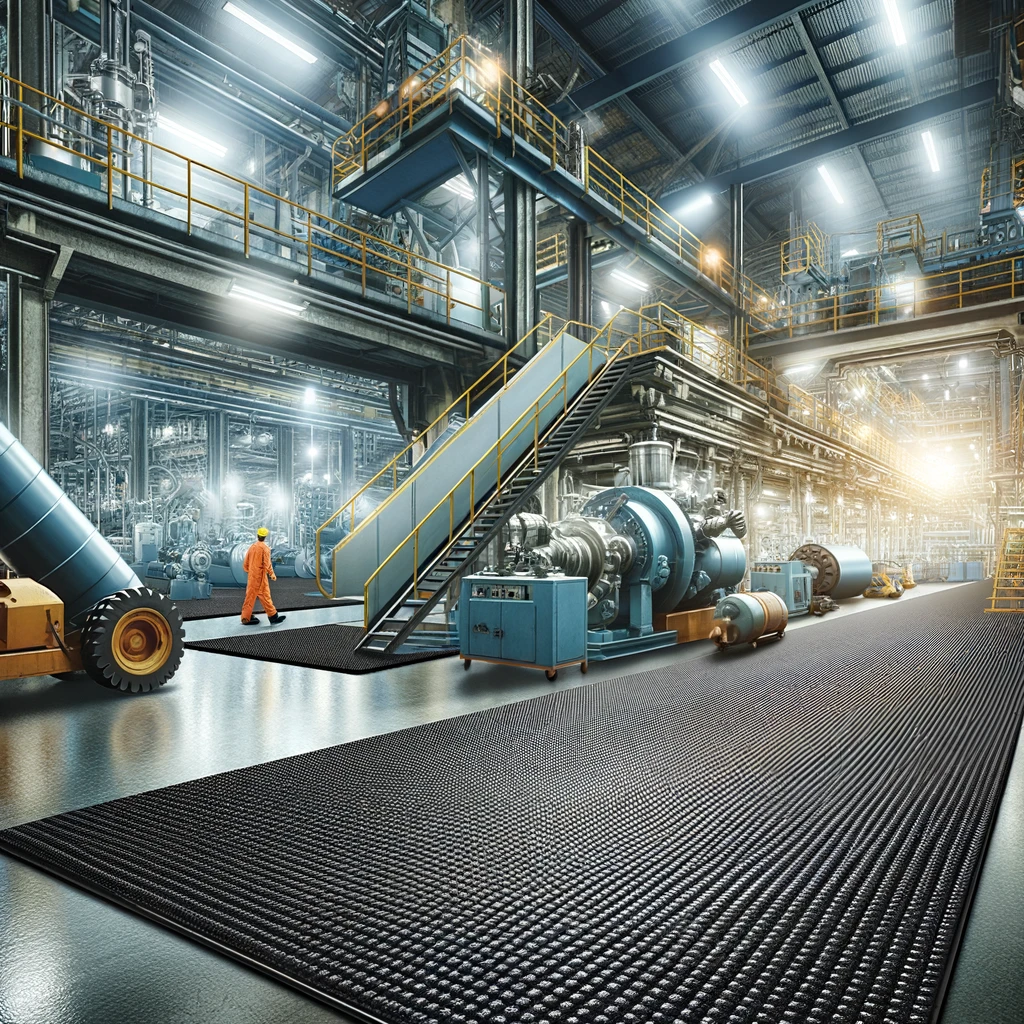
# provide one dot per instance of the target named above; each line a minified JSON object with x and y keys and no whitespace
{"x":84,"y":606}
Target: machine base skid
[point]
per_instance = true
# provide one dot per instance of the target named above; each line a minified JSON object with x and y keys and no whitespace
{"x":622,"y":647}
{"x":42,"y":662}
{"x":688,"y":626}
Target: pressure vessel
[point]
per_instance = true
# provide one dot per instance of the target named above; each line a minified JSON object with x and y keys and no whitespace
{"x":650,"y":464}
{"x":843,"y":570}
{"x":45,"y":536}
{"x":749,"y":619}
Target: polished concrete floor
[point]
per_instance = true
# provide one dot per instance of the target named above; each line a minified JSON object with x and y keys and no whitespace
{"x":66,"y":956}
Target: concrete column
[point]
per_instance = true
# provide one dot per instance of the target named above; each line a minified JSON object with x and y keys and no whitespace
{"x":216,"y":452}
{"x":30,"y":57}
{"x":736,"y":258}
{"x":26,"y":391}
{"x":138,"y":450}
{"x":581,"y":294}
{"x":520,"y":198}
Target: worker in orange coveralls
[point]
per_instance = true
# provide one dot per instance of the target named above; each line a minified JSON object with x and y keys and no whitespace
{"x":258,"y":565}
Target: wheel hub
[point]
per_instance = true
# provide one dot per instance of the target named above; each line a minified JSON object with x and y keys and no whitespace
{"x":141,"y":641}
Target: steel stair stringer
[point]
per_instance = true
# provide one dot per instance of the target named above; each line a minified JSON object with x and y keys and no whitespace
{"x":456,"y":558}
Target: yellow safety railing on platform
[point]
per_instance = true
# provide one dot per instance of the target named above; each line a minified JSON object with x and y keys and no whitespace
{"x":972,"y":285}
{"x":493,"y":379}
{"x":311,"y":240}
{"x":1008,"y":585}
{"x":799,"y":254}
{"x":552,"y":251}
{"x":901,"y":235}
{"x":635,"y":342}
{"x":467,"y":69}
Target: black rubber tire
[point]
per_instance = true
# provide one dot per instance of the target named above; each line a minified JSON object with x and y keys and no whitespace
{"x":98,"y":635}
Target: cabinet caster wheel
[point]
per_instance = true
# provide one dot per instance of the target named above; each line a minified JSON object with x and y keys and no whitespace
{"x":754,"y":644}
{"x":466,"y":663}
{"x":583,"y":667}
{"x":551,"y":673}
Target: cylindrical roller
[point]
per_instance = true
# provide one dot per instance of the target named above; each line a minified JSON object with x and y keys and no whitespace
{"x":749,"y":618}
{"x":44,"y":535}
{"x":843,"y":570}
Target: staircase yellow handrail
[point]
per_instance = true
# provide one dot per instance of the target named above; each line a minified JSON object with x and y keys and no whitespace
{"x":488,"y":379}
{"x":530,"y":416}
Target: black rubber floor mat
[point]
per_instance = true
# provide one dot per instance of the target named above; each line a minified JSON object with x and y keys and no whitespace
{"x":790,"y":834}
{"x":290,"y":595}
{"x":329,"y":647}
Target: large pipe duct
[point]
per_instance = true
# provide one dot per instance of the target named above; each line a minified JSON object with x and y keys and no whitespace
{"x":44,"y":535}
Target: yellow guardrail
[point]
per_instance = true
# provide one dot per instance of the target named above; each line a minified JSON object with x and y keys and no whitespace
{"x":494,"y":377}
{"x":468,"y":69}
{"x":901,"y":234}
{"x":310,"y":237}
{"x":552,"y":251}
{"x":972,"y":285}
{"x":799,"y":254}
{"x":557,"y":391}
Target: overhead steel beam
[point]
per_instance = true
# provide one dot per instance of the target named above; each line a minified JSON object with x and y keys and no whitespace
{"x":855,"y":135}
{"x":691,"y":45}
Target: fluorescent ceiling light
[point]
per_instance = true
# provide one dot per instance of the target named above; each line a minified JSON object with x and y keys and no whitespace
{"x":832,"y":186}
{"x":848,"y":253}
{"x":633,"y":282}
{"x":797,"y":371}
{"x":929,"y":148}
{"x":278,"y":305}
{"x":310,"y":396}
{"x":704,"y":199}
{"x":459,"y":186}
{"x":269,"y":32}
{"x":729,"y":82}
{"x":179,"y":130}
{"x":899,"y":37}
{"x":962,"y":363}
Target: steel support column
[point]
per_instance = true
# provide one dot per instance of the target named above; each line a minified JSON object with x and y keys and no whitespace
{"x":138,"y":449}
{"x":26,"y":391}
{"x":30,"y":54}
{"x":736,"y":219}
{"x":216,"y":452}
{"x":580,"y":284}
{"x":347,"y":464}
{"x":483,"y":234}
{"x":520,"y":198}
{"x":286,"y":478}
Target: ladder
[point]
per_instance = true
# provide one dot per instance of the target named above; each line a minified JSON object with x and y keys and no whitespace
{"x":1008,"y":591}
{"x":441,"y":573}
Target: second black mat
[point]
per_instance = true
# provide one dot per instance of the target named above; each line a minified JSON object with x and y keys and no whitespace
{"x":784,"y":835}
{"x":290,"y":595}
{"x":330,"y":646}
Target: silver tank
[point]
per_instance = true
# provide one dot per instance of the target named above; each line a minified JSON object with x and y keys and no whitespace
{"x":650,"y":464}
{"x":44,"y":535}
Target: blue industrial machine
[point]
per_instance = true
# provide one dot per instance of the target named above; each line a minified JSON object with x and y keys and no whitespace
{"x":538,"y":621}
{"x":792,"y":581}
{"x":641,"y":553}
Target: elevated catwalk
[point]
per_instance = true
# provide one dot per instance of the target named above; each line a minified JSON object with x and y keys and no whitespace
{"x":789,"y":834}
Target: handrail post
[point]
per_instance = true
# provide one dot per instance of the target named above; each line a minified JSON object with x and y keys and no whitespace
{"x":448,"y":298}
{"x":309,"y":244}
{"x":110,"y":167}
{"x":188,"y":196}
{"x":245,"y":226}
{"x":21,"y":131}
{"x":364,"y":265}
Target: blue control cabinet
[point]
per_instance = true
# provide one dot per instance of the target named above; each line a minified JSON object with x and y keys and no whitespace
{"x":792,"y":581}
{"x":539,"y":622}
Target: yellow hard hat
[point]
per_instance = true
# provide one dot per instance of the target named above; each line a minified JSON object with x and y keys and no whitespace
{"x":262,"y":532}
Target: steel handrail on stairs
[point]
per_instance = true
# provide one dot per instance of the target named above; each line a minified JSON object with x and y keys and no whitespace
{"x":633,"y":345}
{"x":502,"y":369}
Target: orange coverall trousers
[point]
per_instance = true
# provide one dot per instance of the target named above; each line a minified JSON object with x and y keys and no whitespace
{"x":257,"y":564}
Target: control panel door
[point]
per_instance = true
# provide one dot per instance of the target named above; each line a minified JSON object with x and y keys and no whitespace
{"x":485,"y":628}
{"x":519,"y":629}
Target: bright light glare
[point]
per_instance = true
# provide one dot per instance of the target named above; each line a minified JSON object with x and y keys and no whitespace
{"x":181,"y":132}
{"x":310,"y":396}
{"x":633,"y":282}
{"x":278,"y":305}
{"x":460,"y":187}
{"x":703,"y":200}
{"x":312,"y":451}
{"x":946,"y":394}
{"x":729,"y":82}
{"x":832,"y":186}
{"x":108,"y":429}
{"x":899,"y":37}
{"x":929,"y":148}
{"x":798,"y":371}
{"x":269,"y":32}
{"x":849,"y":253}
{"x":924,"y":376}
{"x":962,"y":363}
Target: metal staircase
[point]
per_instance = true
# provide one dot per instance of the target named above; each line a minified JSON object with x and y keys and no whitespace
{"x":441,"y":572}
{"x":1008,"y":590}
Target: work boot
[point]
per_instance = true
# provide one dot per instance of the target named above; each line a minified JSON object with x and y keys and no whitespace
{"x":252,"y":621}
{"x":274,"y":620}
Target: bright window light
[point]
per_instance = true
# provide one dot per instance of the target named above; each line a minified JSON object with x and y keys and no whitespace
{"x":849,"y":253}
{"x":180,"y":131}
{"x":832,"y":186}
{"x":798,"y":371}
{"x":899,"y":37}
{"x":703,"y":200}
{"x":259,"y":299}
{"x":459,"y":186}
{"x":729,"y":82}
{"x":310,"y":396}
{"x":929,"y":148}
{"x":270,"y":33}
{"x":633,"y":282}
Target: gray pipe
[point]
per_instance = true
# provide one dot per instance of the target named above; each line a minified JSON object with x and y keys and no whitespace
{"x":45,"y":536}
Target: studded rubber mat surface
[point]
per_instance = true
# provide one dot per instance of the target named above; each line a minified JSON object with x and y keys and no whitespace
{"x":290,"y":595}
{"x":330,"y":647}
{"x":790,"y":834}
